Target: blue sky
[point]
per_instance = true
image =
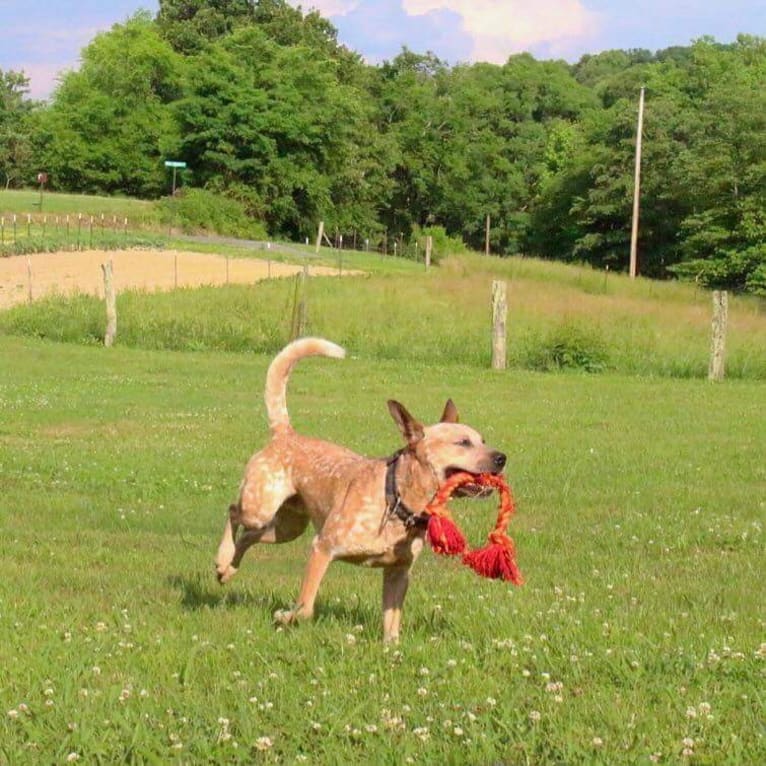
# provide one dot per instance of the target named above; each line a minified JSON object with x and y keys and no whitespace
{"x":44,"y":37}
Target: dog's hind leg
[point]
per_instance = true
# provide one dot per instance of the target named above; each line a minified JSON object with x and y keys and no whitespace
{"x":289,"y":523}
{"x":317,"y":565}
{"x":227,"y":546}
{"x":262,"y":497}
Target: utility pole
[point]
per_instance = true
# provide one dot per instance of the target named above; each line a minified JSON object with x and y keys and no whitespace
{"x":636,"y":190}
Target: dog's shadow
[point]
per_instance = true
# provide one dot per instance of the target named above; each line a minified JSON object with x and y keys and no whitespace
{"x":199,"y":591}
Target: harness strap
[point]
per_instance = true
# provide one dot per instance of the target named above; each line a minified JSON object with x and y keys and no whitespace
{"x":394,"y":504}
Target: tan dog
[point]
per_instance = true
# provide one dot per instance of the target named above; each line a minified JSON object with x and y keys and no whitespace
{"x":360,"y":507}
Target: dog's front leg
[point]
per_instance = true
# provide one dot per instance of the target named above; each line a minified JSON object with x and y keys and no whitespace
{"x":395,"y":583}
{"x":319,"y":560}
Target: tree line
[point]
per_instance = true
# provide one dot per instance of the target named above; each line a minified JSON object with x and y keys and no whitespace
{"x":270,"y":110}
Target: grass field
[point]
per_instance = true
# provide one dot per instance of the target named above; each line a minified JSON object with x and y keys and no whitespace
{"x":58,"y":203}
{"x":559,"y":317}
{"x":638,"y":638}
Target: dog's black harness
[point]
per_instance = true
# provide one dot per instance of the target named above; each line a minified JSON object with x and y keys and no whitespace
{"x":394,"y":504}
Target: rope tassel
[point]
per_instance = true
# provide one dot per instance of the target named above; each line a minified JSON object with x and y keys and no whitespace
{"x":497,"y":559}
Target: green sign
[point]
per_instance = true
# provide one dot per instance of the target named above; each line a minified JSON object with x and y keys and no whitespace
{"x":174,"y":164}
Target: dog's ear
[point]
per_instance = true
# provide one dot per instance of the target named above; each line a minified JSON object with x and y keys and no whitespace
{"x":450,"y":414}
{"x":411,"y":429}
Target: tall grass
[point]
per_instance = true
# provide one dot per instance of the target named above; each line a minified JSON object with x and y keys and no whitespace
{"x":559,"y":317}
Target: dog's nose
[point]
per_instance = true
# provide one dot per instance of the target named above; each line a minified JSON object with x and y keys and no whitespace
{"x":499,"y":460}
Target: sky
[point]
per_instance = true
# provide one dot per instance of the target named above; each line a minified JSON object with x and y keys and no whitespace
{"x":43,"y":38}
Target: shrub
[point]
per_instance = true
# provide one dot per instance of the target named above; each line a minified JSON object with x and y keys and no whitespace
{"x":568,"y":346}
{"x":442,"y":244}
{"x":195,"y":210}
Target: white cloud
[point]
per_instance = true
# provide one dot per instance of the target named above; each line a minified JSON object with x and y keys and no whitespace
{"x":501,"y":27}
{"x":332,"y":7}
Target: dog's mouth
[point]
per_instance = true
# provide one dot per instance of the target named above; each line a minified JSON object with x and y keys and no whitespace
{"x":470,"y":489}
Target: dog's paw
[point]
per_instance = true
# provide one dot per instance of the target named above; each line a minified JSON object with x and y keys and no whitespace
{"x":224,"y":574}
{"x":291,"y":616}
{"x":284,"y":617}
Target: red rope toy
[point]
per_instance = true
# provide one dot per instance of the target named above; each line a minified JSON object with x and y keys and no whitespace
{"x":497,"y":559}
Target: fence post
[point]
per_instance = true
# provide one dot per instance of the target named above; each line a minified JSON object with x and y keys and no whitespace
{"x":499,"y":315}
{"x":320,"y":233}
{"x":429,"y":247}
{"x":299,"y":318}
{"x":29,"y":278}
{"x":111,"y":305}
{"x":718,"y":345}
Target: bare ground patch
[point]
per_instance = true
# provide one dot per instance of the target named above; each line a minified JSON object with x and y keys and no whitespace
{"x":71,"y":272}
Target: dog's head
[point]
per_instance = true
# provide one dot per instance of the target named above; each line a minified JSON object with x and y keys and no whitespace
{"x":449,"y":447}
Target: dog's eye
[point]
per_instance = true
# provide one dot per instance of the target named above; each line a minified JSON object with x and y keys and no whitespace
{"x":464,"y":443}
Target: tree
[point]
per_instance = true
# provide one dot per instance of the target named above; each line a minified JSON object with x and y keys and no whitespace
{"x":15,"y":143}
{"x":278,"y":121}
{"x":110,"y":126}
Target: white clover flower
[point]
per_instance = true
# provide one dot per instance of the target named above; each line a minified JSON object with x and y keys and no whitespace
{"x":535,"y":716}
{"x":13,"y":714}
{"x":687,"y":742}
{"x":491,"y":701}
{"x":458,"y":731}
{"x":263,"y":743}
{"x":72,"y":757}
{"x":691,"y":712}
{"x":422,"y":691}
{"x":597,"y":741}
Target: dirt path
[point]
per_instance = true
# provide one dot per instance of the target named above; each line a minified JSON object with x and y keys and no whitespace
{"x":69,"y":272}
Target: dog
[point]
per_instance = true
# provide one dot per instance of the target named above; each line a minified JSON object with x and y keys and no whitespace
{"x":361,"y":508}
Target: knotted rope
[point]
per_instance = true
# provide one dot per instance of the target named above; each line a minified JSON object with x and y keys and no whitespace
{"x":497,"y":559}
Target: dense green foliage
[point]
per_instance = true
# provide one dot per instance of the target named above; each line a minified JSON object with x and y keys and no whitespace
{"x":268,"y":108}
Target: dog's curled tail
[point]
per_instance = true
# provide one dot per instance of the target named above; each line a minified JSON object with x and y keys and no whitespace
{"x":279,"y":372}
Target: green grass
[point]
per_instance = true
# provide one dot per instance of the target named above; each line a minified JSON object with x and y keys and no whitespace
{"x":139,"y":212}
{"x":639,"y":531}
{"x":559,"y":317}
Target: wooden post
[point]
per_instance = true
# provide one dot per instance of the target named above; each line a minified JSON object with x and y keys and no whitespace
{"x":499,"y":315}
{"x":429,"y":247}
{"x":320,"y":234}
{"x":299,"y":318}
{"x":29,"y":278}
{"x":111,"y":305}
{"x":486,"y":237}
{"x":636,"y":190}
{"x":718,"y":345}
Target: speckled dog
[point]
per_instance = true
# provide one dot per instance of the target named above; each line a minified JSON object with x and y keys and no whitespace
{"x":360,"y":507}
